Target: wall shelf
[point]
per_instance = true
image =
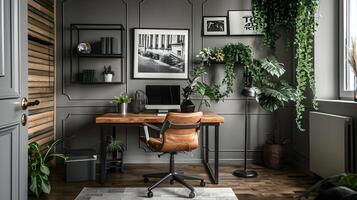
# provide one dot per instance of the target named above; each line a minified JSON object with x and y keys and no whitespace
{"x":99,"y":55}
{"x":92,"y":33}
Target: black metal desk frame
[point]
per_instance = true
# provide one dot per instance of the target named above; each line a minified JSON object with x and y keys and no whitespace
{"x":213,"y":173}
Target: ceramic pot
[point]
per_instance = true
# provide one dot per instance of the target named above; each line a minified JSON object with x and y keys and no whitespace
{"x":122,"y":108}
{"x":108,"y":78}
{"x":187,"y":106}
{"x":273,"y":156}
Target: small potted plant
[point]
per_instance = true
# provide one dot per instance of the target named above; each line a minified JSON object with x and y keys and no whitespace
{"x":108,"y":74}
{"x":122,"y":102}
{"x":38,"y":168}
{"x":115,"y":148}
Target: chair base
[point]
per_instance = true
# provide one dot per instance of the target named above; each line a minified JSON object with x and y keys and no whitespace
{"x":173,"y":176}
{"x":245,"y":173}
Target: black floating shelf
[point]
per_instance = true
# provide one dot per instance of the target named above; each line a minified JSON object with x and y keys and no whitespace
{"x":99,"y":82}
{"x":99,"y":55}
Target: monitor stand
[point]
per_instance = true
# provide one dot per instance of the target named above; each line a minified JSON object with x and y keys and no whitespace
{"x":162,"y":112}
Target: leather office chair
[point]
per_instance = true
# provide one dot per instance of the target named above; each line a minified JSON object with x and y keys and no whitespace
{"x":178,"y":133}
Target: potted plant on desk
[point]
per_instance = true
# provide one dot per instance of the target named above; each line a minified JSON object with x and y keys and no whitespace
{"x":122,"y":102}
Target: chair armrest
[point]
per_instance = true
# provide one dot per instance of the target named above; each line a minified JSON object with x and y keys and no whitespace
{"x":152,"y":126}
{"x":146,"y":127}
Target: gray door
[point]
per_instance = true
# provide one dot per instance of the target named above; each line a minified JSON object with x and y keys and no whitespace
{"x":13,"y":87}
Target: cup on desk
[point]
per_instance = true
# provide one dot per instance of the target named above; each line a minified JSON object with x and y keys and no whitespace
{"x":122,"y":108}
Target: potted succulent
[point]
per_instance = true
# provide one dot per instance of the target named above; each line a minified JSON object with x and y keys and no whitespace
{"x":271,"y":93}
{"x":108,"y":74}
{"x":38,"y":168}
{"x":122,"y":102}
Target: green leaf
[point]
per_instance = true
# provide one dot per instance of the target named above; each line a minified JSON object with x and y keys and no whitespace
{"x":273,"y":67}
{"x":59,"y":155}
{"x":33,"y":185}
{"x":46,"y":187}
{"x":44,"y":169}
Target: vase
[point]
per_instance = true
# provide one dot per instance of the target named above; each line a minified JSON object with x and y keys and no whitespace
{"x":108,"y":78}
{"x":122,"y":108}
{"x":187,"y":106}
{"x":273,"y":156}
{"x":355,"y":89}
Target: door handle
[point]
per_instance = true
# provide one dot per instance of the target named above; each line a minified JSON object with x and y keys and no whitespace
{"x":25,"y":103}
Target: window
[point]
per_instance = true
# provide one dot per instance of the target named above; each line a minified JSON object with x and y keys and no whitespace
{"x":349,"y":33}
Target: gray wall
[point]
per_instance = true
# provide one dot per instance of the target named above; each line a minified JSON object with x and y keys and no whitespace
{"x":78,"y":105}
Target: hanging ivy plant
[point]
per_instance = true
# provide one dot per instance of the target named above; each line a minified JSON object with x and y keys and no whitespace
{"x":229,"y":55}
{"x":298,"y":16}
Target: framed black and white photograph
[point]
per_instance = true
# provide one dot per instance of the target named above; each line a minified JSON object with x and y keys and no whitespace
{"x":214,"y":25}
{"x":161,"y":53}
{"x":241,"y":22}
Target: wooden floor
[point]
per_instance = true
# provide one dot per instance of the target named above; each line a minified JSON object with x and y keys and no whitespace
{"x":270,"y":184}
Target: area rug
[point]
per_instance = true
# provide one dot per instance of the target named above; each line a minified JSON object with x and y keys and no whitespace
{"x":161,"y":193}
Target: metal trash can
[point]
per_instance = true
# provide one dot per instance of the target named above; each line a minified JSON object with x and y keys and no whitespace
{"x":80,"y":165}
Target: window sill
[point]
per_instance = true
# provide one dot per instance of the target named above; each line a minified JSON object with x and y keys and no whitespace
{"x":338,"y":101}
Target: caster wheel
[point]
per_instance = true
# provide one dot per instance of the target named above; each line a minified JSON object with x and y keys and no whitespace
{"x":146,"y":180}
{"x":202,"y":183}
{"x":172,"y":182}
{"x":150,"y":194}
{"x":192,"y":195}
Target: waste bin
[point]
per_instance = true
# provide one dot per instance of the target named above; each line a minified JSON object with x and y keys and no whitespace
{"x":80,"y":165}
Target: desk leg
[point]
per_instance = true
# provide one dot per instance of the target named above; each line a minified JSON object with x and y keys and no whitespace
{"x":216,"y":153}
{"x":103,"y":155}
{"x":214,"y":174}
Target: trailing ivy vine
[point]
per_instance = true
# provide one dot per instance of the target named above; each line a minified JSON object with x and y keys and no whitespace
{"x":298,"y":17}
{"x":229,"y":55}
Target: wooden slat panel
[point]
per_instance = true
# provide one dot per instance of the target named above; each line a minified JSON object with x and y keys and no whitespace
{"x":40,"y":31}
{"x":33,"y":130}
{"x":40,"y":116}
{"x":40,"y":84}
{"x":42,"y":26}
{"x":36,"y":66}
{"x":41,"y":91}
{"x":40,"y":37}
{"x":41,"y":73}
{"x":40,"y":137}
{"x":40,"y":95}
{"x":40,"y":121}
{"x":35,"y":46}
{"x":44,"y":56}
{"x":40,"y":78}
{"x":41,"y":8}
{"x":40,"y":61}
{"x":41,"y":19}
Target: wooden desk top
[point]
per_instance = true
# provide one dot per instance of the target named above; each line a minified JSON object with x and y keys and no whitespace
{"x":131,"y":118}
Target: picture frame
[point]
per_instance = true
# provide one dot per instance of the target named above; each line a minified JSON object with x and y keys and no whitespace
{"x":214,"y":26}
{"x":160,"y":53}
{"x":241,"y":22}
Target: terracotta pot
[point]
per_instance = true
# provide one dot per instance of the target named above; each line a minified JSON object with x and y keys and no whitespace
{"x":273,"y":156}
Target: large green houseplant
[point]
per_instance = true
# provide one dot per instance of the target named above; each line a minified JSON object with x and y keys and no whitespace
{"x":298,"y":17}
{"x":38,"y":166}
{"x":272,"y":93}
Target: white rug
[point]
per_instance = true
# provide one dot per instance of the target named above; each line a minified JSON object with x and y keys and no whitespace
{"x":160,"y":193}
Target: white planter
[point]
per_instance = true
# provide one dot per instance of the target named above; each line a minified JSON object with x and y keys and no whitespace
{"x":108,"y":78}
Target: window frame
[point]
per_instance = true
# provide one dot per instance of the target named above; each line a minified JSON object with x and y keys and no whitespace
{"x":343,"y":50}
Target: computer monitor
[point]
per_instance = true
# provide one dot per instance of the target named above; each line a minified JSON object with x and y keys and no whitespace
{"x":163,"y":97}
